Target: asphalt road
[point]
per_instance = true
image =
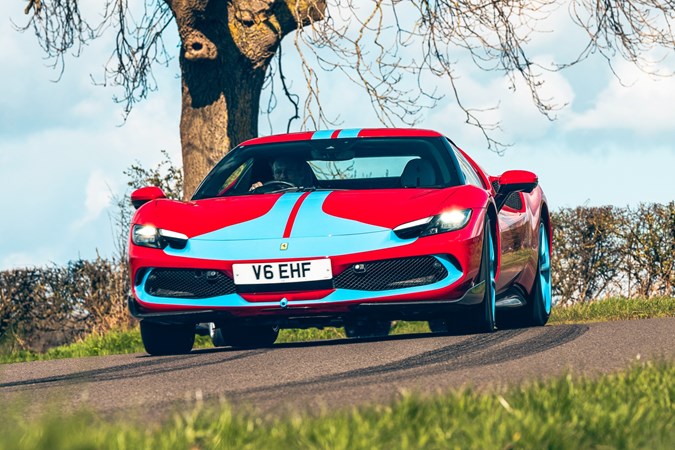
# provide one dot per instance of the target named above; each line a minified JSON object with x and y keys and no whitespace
{"x":333,"y":374}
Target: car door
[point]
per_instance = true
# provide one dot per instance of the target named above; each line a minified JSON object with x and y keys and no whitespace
{"x":514,"y":220}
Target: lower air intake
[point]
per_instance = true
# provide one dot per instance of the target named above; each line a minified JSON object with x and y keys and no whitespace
{"x":392,"y":274}
{"x":188,"y":283}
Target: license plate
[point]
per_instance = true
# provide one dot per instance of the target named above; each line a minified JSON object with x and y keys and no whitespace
{"x":282,"y":272}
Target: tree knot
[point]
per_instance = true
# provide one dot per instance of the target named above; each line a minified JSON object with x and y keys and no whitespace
{"x":197,"y":46}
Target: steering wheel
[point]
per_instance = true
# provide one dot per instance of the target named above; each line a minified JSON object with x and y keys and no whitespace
{"x":273,"y":185}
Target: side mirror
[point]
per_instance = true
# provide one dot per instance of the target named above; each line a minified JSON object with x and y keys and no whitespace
{"x":515,"y":181}
{"x":145,"y":194}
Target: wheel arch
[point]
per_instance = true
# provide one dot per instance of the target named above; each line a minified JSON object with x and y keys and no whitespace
{"x":545,"y":218}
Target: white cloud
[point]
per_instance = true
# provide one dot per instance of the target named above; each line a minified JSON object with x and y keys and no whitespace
{"x":514,"y":110}
{"x":33,"y":258}
{"x":98,"y":195}
{"x":642,"y":104}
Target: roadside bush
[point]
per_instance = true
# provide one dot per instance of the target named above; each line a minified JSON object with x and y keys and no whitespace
{"x":649,"y":250}
{"x":601,"y":252}
{"x":588,"y":254}
{"x":44,"y":307}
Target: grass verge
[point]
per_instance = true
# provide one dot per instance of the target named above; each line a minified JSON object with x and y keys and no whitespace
{"x":121,"y":342}
{"x":614,"y":309}
{"x":632,"y":409}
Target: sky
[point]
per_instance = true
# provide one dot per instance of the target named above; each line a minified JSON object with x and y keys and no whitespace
{"x":64,"y":145}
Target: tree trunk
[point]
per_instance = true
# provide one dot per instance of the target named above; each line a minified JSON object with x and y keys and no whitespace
{"x":219,"y":110}
{"x":225,"y":53}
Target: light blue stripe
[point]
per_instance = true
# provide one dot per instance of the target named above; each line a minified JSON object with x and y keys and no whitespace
{"x":349,"y":133}
{"x":339,"y":295}
{"x":312,"y":220}
{"x":268,"y":226}
{"x":322,"y":134}
{"x":270,"y":249}
{"x":314,"y":234}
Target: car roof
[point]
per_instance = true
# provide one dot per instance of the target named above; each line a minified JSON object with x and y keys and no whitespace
{"x":344,"y":134}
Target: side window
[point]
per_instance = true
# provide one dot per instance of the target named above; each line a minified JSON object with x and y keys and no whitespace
{"x":469,"y":174}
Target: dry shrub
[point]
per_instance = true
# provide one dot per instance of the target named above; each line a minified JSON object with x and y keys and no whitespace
{"x":587,"y":252}
{"x":650,"y":250}
{"x":44,"y":307}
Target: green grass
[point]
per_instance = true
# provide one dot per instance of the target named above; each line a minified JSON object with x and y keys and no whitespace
{"x":632,"y":409}
{"x":121,"y":342}
{"x":112,"y":343}
{"x":614,"y":309}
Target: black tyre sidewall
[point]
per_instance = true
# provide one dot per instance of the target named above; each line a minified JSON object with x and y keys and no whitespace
{"x":479,"y":319}
{"x":159,"y":339}
{"x":537,"y":311}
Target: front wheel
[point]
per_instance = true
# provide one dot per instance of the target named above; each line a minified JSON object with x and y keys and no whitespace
{"x":480,"y":319}
{"x":159,"y":339}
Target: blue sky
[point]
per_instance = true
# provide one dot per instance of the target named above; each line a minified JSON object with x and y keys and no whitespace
{"x":62,"y":149}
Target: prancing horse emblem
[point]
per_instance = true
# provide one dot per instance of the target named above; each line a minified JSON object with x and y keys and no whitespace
{"x":284,"y":246}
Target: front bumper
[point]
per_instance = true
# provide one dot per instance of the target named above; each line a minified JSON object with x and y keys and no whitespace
{"x":297,"y":316}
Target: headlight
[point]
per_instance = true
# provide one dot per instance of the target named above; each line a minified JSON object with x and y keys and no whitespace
{"x":150,"y":236}
{"x":447,"y":221}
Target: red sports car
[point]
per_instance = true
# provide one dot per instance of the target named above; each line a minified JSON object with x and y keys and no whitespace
{"x":352,"y":228}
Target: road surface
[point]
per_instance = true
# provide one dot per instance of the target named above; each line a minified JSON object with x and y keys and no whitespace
{"x":333,"y":374}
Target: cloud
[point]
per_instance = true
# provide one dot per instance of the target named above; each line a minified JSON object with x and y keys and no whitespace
{"x":98,"y":195}
{"x":642,"y":104}
{"x":33,"y":258}
{"x":494,"y":101}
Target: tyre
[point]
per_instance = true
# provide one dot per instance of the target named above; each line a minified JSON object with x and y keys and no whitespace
{"x":480,"y":319}
{"x":367,"y":328}
{"x":159,"y":339}
{"x":248,"y":336}
{"x":216,"y":335}
{"x":438,"y":326}
{"x":539,"y":303}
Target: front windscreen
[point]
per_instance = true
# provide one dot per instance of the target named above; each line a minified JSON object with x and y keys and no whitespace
{"x":329,"y":164}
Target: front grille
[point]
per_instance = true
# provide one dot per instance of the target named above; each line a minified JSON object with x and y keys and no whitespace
{"x":392,"y":274}
{"x":188,"y":283}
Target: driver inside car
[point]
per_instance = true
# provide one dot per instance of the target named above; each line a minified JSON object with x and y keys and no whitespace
{"x":291,"y":170}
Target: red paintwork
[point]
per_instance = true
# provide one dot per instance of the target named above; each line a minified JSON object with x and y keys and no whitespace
{"x":517,"y":236}
{"x":146,"y":194}
{"x":290,"y":137}
{"x":382,"y":207}
{"x":204,"y":216}
{"x":518,"y":177}
{"x":397,"y":132}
